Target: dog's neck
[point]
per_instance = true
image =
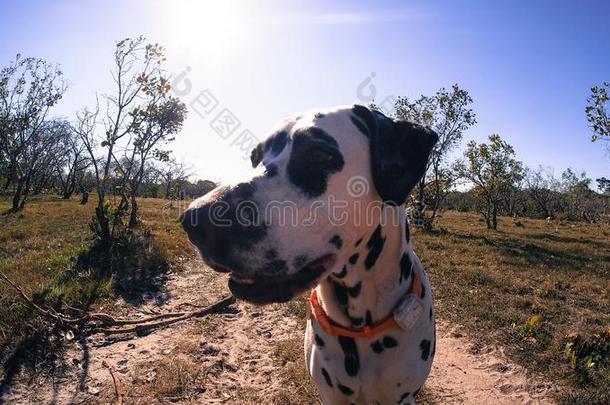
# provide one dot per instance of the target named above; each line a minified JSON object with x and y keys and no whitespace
{"x":358,"y":293}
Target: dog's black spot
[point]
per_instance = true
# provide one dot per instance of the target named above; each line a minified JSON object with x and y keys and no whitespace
{"x":433,"y":346}
{"x":274,"y":267}
{"x":315,"y":156}
{"x":336,"y":241}
{"x":350,"y":351}
{"x":355,"y":290}
{"x":243,"y":191}
{"x":271,"y":170}
{"x":358,"y":242}
{"x":363,"y":119}
{"x":377,"y":346}
{"x":424,"y":346}
{"x":368,"y":318}
{"x":389,"y":342}
{"x":375,"y":246}
{"x":353,"y":259}
{"x":405,"y":267}
{"x":430,"y":314}
{"x":342,"y":273}
{"x":327,"y":377}
{"x":231,"y":207}
{"x":300,"y":261}
{"x":341,"y":292}
{"x":355,"y":321}
{"x":270,"y":254}
{"x":278,"y":143}
{"x":361,"y":126}
{"x":403,"y":397}
{"x":319,"y":115}
{"x":407,"y":230}
{"x":256,"y":155}
{"x":319,"y":341}
{"x":423,"y":291}
{"x":320,"y":135}
{"x":345,"y":390}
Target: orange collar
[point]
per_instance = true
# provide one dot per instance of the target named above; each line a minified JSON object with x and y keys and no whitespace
{"x":333,"y":328}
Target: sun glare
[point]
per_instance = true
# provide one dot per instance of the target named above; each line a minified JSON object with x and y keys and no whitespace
{"x":214,"y":28}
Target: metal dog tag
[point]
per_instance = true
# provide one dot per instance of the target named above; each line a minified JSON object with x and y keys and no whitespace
{"x":408,"y":311}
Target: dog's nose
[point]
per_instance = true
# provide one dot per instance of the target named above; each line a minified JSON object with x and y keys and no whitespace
{"x":223,"y":223}
{"x":193,"y":223}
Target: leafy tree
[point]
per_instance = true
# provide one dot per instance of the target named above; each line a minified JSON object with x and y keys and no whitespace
{"x":139,"y":117}
{"x":603,"y":184}
{"x":579,"y":198}
{"x":162,"y":118}
{"x":597,"y":112}
{"x":29,"y":88}
{"x":449,"y":114}
{"x":494,"y":171}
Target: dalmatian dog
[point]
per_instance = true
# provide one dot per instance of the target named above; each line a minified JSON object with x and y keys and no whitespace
{"x":324,"y":209}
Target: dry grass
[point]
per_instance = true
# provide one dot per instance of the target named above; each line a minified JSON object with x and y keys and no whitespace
{"x":48,"y":250}
{"x":533,"y":287}
{"x":538,"y":288}
{"x":177,"y":378}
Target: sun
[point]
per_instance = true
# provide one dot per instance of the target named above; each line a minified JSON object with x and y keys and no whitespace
{"x":213,"y":28}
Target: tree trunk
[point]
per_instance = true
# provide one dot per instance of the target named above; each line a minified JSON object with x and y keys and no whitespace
{"x":487,"y":213}
{"x":84,"y":198}
{"x":104,"y":224}
{"x":168,"y":187}
{"x":422,"y":188}
{"x":133,"y":216}
{"x":17,"y":196}
{"x":70,"y":187}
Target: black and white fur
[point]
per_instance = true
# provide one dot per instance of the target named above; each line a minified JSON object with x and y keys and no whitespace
{"x":361,"y":265}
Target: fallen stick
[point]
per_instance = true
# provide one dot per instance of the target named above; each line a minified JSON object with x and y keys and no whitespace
{"x":117,"y":392}
{"x":139,"y":325}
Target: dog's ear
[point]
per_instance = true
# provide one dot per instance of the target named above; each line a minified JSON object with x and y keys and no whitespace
{"x":399,"y":153}
{"x":256,"y":156}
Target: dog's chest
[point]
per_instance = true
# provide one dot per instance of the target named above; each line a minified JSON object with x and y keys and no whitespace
{"x":381,"y":368}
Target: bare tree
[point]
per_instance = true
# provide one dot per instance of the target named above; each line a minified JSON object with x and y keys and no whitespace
{"x":449,"y":114}
{"x":172,"y":173}
{"x":543,"y":188}
{"x":71,"y":163}
{"x":134,"y":122}
{"x":29,"y":88}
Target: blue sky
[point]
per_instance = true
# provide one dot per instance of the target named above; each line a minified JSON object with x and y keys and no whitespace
{"x":528,"y":65}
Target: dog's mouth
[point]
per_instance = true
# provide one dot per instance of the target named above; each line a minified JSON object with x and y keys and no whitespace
{"x":266,"y":290}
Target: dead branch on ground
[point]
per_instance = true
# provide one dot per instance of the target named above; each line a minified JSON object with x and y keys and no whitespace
{"x":90,"y":321}
{"x":118,"y":394}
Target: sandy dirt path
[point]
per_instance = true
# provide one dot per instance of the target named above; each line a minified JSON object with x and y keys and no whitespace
{"x":239,"y":356}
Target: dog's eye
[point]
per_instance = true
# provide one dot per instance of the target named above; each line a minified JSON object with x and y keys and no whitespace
{"x":320,"y":156}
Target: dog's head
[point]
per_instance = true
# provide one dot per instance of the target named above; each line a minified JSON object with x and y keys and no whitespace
{"x":315,"y":178}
